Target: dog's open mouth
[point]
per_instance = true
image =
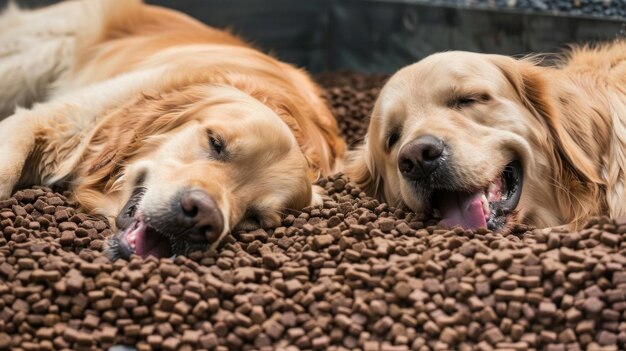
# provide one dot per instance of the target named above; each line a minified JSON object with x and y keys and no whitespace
{"x":488,"y":207}
{"x":145,"y":240}
{"x":136,"y":235}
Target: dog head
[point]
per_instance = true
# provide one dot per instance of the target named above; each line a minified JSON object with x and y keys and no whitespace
{"x":193,"y":165}
{"x":478,"y":138}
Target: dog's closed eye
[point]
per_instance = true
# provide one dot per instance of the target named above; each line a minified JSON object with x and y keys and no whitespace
{"x":392,"y":139}
{"x":217,"y":146}
{"x":251,"y":220}
{"x":468,"y":100}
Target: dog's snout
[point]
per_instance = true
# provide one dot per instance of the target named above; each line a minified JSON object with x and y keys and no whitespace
{"x":420,"y":157}
{"x":200,"y":212}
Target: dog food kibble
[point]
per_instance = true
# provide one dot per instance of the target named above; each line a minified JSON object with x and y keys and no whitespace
{"x":352,"y":274}
{"x":351,"y":99}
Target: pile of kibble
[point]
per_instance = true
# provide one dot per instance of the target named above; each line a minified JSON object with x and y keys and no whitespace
{"x":354,"y":274}
{"x":351,"y":98}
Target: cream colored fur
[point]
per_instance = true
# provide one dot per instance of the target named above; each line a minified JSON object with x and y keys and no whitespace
{"x":565,"y":123}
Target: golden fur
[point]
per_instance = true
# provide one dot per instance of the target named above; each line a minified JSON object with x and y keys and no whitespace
{"x":143,"y":90}
{"x":566,"y":123}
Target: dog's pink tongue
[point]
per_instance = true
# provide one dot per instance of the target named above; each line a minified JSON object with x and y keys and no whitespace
{"x":152,"y":244}
{"x":464,"y":209}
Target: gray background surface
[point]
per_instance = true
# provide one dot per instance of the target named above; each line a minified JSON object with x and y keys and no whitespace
{"x":382,"y":35}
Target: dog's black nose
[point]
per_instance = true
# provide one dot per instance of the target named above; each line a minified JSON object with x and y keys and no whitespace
{"x":200,"y":213}
{"x":420,"y":157}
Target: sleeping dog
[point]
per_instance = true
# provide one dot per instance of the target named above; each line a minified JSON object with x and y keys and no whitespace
{"x":175,"y":131}
{"x":491,"y":141}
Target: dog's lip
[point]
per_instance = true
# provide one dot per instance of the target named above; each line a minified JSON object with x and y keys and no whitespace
{"x":126,"y":217}
{"x":513,"y":176}
{"x":498,"y":200}
{"x":136,"y":233}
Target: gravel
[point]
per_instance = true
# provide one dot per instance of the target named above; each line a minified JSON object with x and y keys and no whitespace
{"x":352,"y":274}
{"x":602,"y":8}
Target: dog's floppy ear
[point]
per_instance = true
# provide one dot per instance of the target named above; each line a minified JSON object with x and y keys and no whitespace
{"x":361,"y":169}
{"x":535,"y":92}
{"x":145,"y":116}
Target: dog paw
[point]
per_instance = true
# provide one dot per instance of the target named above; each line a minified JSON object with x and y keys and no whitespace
{"x":318,"y":196}
{"x":7,"y":183}
{"x":6,"y":189}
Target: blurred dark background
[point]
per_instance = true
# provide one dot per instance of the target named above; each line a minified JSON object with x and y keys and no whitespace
{"x":379,"y":36}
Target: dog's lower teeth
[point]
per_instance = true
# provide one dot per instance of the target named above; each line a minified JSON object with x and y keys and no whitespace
{"x":492,"y":192}
{"x":131,"y":239}
{"x":485,"y":202}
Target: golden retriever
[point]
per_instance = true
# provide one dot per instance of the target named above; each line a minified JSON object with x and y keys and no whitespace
{"x":492,"y":141}
{"x":176,"y":131}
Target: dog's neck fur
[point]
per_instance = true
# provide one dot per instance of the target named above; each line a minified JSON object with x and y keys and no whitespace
{"x":590,"y":109}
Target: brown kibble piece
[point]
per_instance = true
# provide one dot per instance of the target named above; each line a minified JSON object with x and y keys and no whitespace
{"x":402,"y":290}
{"x":170,"y":344}
{"x":191,"y":336}
{"x":274,"y":329}
{"x":593,"y":305}
{"x":322,"y":241}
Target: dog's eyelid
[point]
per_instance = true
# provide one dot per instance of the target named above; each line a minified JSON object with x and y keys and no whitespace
{"x":253,"y":213}
{"x":217,"y":144}
{"x":463,"y":100}
{"x":253,"y":218}
{"x":141,"y":178}
{"x":392,"y":138}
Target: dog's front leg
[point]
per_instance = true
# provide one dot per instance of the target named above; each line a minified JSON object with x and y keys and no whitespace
{"x":17,"y":143}
{"x":44,"y":144}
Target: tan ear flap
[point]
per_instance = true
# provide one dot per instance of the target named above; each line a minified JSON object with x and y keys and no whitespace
{"x":361,"y":169}
{"x":123,"y":138}
{"x":534,"y":91}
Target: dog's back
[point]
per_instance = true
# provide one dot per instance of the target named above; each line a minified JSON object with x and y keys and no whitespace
{"x":107,"y":38}
{"x":599,"y":75}
{"x":132,"y":36}
{"x":36,"y":50}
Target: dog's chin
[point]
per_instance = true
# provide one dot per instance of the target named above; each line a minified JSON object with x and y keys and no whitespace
{"x":493,"y":206}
